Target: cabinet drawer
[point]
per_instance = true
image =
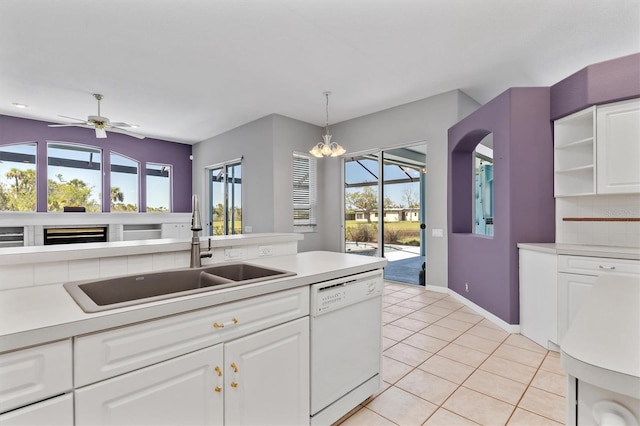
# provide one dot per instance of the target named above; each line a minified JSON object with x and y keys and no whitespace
{"x":52,"y":412}
{"x":597,"y":265}
{"x":107,"y":354}
{"x":29,"y":375}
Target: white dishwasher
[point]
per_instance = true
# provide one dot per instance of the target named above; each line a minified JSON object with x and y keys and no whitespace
{"x":346,"y":343}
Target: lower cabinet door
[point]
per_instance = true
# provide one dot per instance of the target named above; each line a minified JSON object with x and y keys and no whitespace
{"x":572,"y":289}
{"x":56,"y":411}
{"x":182,"y":391}
{"x":267,"y":376}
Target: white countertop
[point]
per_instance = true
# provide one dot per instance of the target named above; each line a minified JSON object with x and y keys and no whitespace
{"x":602,"y":345}
{"x":632,"y":253}
{"x":56,"y":253}
{"x":35,"y":315}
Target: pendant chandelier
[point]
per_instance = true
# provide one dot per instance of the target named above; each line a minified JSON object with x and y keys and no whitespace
{"x":326,"y":148}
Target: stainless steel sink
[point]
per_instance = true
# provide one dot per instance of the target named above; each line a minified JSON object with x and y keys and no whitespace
{"x":110,"y":293}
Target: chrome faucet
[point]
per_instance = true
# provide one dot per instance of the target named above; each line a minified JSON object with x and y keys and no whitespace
{"x":196,"y":227}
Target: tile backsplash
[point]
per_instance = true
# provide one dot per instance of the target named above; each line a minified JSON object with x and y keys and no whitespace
{"x":603,"y":232}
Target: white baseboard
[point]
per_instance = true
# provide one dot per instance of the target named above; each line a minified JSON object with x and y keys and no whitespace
{"x":509,"y":328}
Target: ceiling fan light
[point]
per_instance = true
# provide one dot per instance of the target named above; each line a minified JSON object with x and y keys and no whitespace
{"x":101,"y":133}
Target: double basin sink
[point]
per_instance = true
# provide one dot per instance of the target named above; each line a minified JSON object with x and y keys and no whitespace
{"x":110,"y":293}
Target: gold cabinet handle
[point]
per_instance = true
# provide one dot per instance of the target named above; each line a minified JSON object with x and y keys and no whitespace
{"x":217,"y":389}
{"x":224,"y":324}
{"x":234,"y":367}
{"x":218,"y":370}
{"x":234,"y":385}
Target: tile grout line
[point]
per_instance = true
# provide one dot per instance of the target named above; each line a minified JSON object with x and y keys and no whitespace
{"x":502,"y":342}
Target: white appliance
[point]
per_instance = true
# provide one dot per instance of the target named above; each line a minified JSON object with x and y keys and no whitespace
{"x":346,"y":342}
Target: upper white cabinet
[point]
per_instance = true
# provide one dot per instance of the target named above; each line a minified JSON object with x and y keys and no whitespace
{"x":597,"y":150}
{"x":575,"y":154}
{"x":618,"y":147}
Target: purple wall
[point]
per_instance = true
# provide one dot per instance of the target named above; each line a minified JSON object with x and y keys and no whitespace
{"x":524,"y":207}
{"x":600,"y":83}
{"x":14,"y":130}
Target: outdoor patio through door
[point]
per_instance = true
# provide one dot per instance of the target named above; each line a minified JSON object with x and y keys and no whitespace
{"x":388,"y":184}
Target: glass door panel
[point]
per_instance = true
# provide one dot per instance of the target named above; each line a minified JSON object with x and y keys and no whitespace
{"x":403,"y":212}
{"x":225,"y":194}
{"x":361,"y":205}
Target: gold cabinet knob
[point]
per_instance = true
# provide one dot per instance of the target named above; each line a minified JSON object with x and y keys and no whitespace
{"x":216,"y":325}
{"x":217,"y":370}
{"x":234,"y":385}
{"x":234,"y":320}
{"x":234,"y":367}
{"x":217,"y":389}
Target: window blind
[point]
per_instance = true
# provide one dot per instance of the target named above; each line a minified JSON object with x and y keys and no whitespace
{"x":304,"y":190}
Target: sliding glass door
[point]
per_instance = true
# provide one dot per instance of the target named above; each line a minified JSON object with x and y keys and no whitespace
{"x":385,"y":209}
{"x":225,"y":194}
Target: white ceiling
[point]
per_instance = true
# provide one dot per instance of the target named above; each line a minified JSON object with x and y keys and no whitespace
{"x":186,"y":70}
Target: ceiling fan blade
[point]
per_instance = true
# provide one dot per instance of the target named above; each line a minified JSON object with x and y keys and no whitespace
{"x":73,"y":118}
{"x":101,"y":133}
{"x":119,"y":124}
{"x":125,"y":132}
{"x":83,"y":125}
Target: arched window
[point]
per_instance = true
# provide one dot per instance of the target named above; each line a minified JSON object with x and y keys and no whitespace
{"x":125,"y":184}
{"x":74,"y":177}
{"x":18,"y":177}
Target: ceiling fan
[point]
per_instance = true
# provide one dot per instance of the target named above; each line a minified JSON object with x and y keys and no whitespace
{"x":99,"y":123}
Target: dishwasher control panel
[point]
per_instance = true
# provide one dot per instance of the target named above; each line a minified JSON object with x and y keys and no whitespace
{"x":331,"y":295}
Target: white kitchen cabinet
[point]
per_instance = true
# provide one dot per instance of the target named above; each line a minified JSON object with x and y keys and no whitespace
{"x":576,"y":276}
{"x":267,"y":377}
{"x":539,"y":297}
{"x":597,"y":150}
{"x":183,"y":390}
{"x":56,"y":411}
{"x":262,"y":378}
{"x":572,"y":289}
{"x":33,"y":374}
{"x":618,"y":147}
{"x":106,"y":354}
{"x":245,"y":362}
{"x":575,"y":154}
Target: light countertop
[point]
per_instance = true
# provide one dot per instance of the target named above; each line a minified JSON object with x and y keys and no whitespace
{"x":35,"y":315}
{"x":62,"y":252}
{"x":602,"y":345}
{"x":632,"y":253}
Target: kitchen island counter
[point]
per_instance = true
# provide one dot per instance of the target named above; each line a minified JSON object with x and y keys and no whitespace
{"x":36,"y":315}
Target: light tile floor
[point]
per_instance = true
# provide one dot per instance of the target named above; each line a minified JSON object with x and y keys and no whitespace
{"x":444,"y":364}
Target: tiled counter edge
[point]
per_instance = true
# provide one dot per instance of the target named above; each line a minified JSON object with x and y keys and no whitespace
{"x":43,"y":265}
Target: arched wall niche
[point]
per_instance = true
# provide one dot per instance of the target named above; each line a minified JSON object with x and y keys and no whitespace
{"x":462,"y":189}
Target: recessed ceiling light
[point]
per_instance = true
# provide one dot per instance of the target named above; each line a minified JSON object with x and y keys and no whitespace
{"x":19,"y":105}
{"x":135,"y":126}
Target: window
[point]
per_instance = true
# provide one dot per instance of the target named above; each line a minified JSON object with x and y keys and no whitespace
{"x":124,"y":184}
{"x":158,"y":188}
{"x":74,"y":177}
{"x":18,"y":177}
{"x":304,"y":192}
{"x":483,"y":188}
